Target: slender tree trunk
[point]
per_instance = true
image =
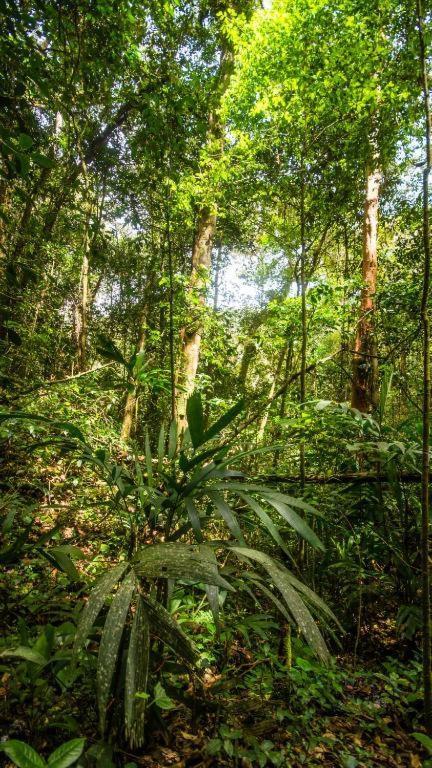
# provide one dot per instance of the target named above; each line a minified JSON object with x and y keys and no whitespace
{"x":303,"y":287}
{"x":426,"y":607}
{"x":364,"y":394}
{"x":83,"y":309}
{"x":201,"y":254}
{"x":217,"y":271}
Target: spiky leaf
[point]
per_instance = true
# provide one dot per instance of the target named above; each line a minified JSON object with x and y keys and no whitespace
{"x":137,"y":666}
{"x":97,"y":598}
{"x":295,"y":604}
{"x":167,"y":629}
{"x":110,"y":643}
{"x":227,"y":514}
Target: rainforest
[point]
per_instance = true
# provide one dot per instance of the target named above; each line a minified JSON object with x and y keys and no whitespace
{"x":215,"y":383}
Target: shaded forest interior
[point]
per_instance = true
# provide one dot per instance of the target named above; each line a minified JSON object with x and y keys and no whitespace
{"x":215,"y":384}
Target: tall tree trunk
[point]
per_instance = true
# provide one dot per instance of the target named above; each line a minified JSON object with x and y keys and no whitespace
{"x":191,"y":335}
{"x":201,"y":253}
{"x":364,"y":393}
{"x":303,"y":288}
{"x":426,"y":607}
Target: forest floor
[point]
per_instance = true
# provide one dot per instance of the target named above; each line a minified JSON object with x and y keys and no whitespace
{"x":336,"y":741}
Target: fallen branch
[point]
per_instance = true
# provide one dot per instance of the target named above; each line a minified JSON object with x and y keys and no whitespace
{"x":343,"y":479}
{"x":52,"y":382}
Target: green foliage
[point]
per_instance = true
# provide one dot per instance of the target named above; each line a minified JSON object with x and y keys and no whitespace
{"x":24,"y":756}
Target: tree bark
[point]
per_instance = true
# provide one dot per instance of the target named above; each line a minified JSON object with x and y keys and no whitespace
{"x":191,"y":335}
{"x":201,"y":254}
{"x":364,"y":393}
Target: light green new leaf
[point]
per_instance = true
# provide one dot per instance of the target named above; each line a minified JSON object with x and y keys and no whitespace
{"x":66,"y":754}
{"x":22,"y":754}
{"x":97,"y":598}
{"x":110,"y":643}
{"x":27,"y":654}
{"x":195,"y":419}
{"x":137,"y":666}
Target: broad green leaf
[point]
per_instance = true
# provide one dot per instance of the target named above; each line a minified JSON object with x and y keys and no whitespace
{"x":195,"y":419}
{"x":27,"y":654}
{"x":137,"y":666}
{"x":64,"y":562}
{"x":110,"y":643}
{"x":424,"y":740}
{"x":22,"y":754}
{"x":97,"y":598}
{"x":297,"y":523}
{"x":66,"y":754}
{"x":175,"y":560}
{"x":42,"y":160}
{"x":161,"y":698}
{"x":224,"y":420}
{"x":227,"y":514}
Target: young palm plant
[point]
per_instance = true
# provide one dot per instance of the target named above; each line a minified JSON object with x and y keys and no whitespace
{"x":172,"y":508}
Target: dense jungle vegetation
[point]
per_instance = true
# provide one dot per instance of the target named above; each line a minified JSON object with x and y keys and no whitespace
{"x":215,"y":383}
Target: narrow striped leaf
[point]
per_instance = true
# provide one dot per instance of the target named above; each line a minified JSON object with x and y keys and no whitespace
{"x":224,"y":420}
{"x":148,"y":459}
{"x":194,"y":518}
{"x":267,"y":522}
{"x":297,"y":523}
{"x":166,"y":628}
{"x":110,"y":643}
{"x":137,"y":667}
{"x":172,"y":440}
{"x":99,"y":594}
{"x":227,"y":514}
{"x":161,"y":448}
{"x":295,"y":604}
